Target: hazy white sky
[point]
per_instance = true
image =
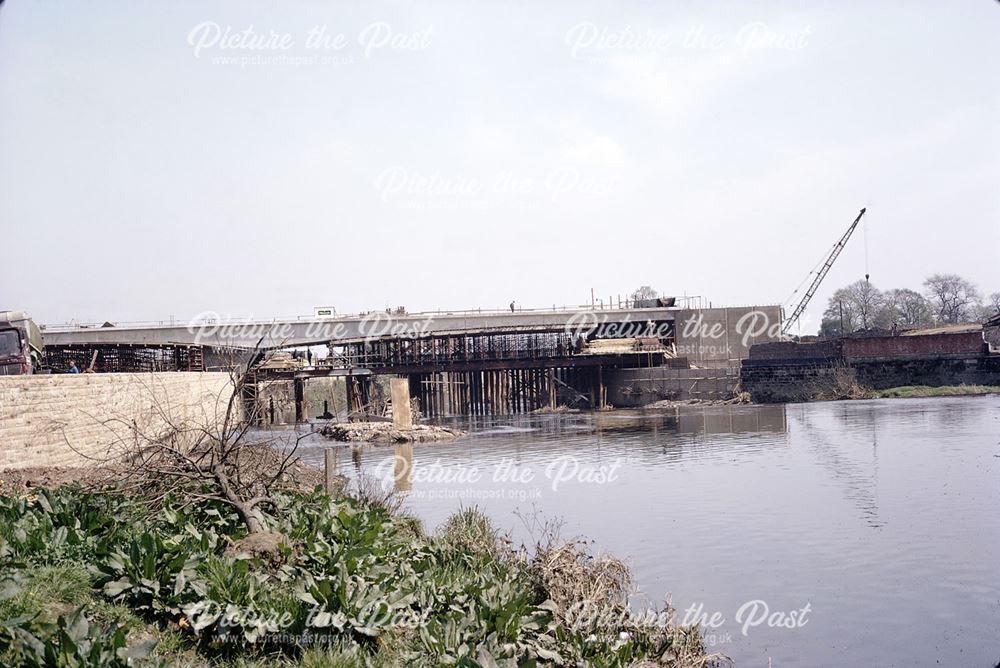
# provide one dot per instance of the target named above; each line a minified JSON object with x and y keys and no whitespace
{"x":250,"y":158}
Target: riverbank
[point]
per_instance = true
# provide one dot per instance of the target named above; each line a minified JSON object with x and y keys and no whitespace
{"x":98,"y":579}
{"x":853,"y":391}
{"x":823,"y":476}
{"x":914,"y":391}
{"x":864,"y":366}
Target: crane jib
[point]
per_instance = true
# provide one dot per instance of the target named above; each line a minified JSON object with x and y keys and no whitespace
{"x":821,"y":274}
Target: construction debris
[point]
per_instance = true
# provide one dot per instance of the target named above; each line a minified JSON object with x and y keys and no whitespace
{"x":623,"y":346}
{"x":385,"y":432}
{"x":739,"y":398}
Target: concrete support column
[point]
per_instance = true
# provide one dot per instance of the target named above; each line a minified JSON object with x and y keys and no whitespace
{"x":300,"y":399}
{"x":399,"y":389}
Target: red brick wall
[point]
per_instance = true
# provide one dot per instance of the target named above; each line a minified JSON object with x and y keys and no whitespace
{"x":965,"y":343}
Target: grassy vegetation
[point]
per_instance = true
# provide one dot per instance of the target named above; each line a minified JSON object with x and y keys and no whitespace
{"x":908,"y":391}
{"x":93,"y":579}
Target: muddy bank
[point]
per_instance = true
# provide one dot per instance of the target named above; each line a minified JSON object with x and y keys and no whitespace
{"x":19,"y":481}
{"x":385,"y":432}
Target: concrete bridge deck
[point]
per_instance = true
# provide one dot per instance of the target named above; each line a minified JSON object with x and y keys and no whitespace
{"x":283,"y":333}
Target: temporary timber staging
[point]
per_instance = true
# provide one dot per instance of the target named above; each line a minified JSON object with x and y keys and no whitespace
{"x":119,"y":358}
{"x":492,"y":387}
{"x":481,"y":374}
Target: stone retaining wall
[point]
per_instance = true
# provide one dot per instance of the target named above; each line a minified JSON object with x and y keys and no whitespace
{"x":781,"y":381}
{"x":791,"y":371}
{"x":82,"y":419}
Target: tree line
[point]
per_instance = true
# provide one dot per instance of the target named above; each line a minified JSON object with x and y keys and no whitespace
{"x":946,"y":299}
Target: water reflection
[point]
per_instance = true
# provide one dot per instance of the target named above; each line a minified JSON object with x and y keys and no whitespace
{"x":867,"y":510}
{"x":356,"y":458}
{"x":679,"y":420}
{"x":847,"y":449}
{"x":403,"y":469}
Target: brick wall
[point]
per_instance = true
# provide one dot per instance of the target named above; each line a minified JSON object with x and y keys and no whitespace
{"x":79,"y":420}
{"x":922,"y":345}
{"x":789,"y":371}
{"x":963,"y":344}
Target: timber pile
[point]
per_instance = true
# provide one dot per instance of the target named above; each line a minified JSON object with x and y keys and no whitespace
{"x":385,"y":432}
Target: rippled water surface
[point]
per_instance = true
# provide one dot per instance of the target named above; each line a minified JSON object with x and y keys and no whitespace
{"x":881,"y":516}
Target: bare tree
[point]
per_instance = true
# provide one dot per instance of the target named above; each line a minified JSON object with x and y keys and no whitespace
{"x":953,"y":298}
{"x":859,"y":305}
{"x":642,"y":293}
{"x":908,"y":308}
{"x":840,"y":316}
{"x":217,"y":459}
{"x":992,"y":306}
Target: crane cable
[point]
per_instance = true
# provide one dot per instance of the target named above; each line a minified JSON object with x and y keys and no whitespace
{"x":808,"y":276}
{"x":865,"y":232}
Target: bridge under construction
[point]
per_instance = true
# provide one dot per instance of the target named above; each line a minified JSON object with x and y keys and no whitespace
{"x":457,"y":363}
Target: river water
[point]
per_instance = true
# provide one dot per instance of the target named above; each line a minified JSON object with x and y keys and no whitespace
{"x":841,"y":533}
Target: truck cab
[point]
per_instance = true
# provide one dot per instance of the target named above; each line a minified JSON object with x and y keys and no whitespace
{"x":20,"y":344}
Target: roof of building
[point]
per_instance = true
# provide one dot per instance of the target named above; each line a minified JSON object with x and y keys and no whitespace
{"x":960,"y":328}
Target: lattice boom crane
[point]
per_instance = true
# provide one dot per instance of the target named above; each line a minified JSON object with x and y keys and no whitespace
{"x":821,"y":274}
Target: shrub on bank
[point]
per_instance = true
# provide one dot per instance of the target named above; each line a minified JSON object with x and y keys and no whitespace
{"x":92,"y":579}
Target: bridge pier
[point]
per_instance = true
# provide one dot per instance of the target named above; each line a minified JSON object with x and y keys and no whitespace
{"x":505,"y":391}
{"x":602,"y":391}
{"x":299,"y":390}
{"x":552,"y":388}
{"x":499,"y":388}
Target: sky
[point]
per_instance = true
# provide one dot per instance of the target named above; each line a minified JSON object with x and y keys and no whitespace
{"x":252,"y":159}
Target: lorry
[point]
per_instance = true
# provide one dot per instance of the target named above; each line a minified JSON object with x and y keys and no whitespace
{"x":20,"y":344}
